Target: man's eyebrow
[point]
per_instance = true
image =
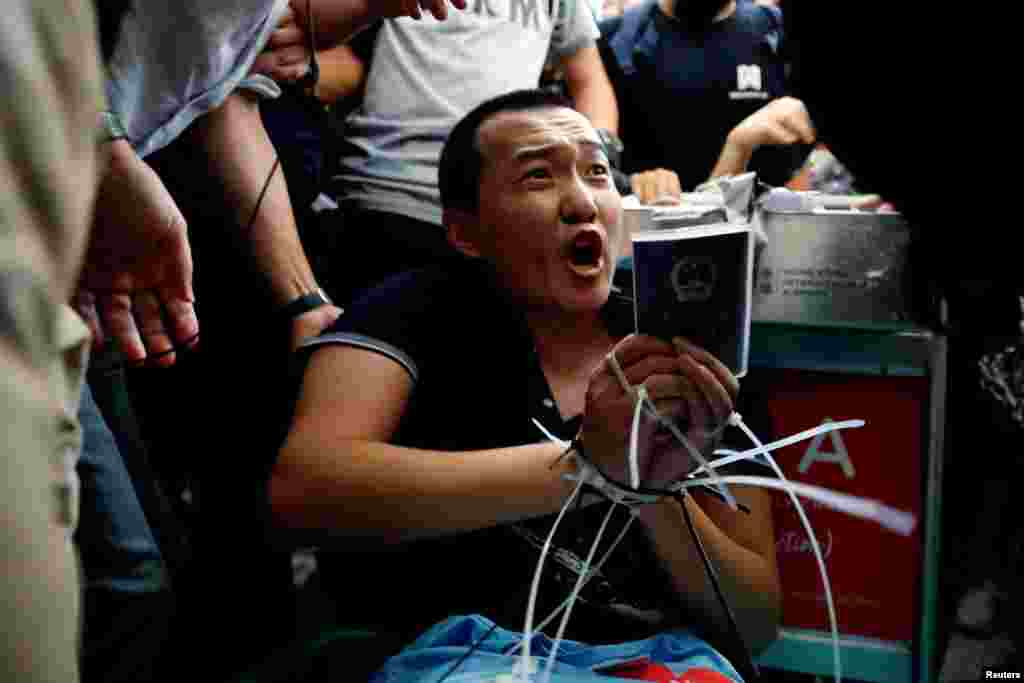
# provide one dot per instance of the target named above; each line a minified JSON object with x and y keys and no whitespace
{"x":542,"y":151}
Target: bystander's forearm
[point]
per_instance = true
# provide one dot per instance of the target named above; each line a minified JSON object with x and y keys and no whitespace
{"x":733,"y":159}
{"x":590,"y":89}
{"x":242,"y":155}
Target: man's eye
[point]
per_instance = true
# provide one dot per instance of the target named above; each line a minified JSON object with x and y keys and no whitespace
{"x":536,"y":174}
{"x":599,"y":170}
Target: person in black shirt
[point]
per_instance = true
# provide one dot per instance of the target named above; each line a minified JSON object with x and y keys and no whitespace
{"x":702,"y":92}
{"x":413,"y":438}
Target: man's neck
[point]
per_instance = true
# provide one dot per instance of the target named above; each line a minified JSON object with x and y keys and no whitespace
{"x":669,"y":8}
{"x":569,"y":348}
{"x":563,"y":340}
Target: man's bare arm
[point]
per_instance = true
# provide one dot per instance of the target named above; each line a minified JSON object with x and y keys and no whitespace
{"x":242,"y":155}
{"x":780,"y":122}
{"x":741,"y":546}
{"x":337,"y":473}
{"x":590,"y":88}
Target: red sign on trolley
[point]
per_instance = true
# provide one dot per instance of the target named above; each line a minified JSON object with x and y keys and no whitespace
{"x":874,"y":572}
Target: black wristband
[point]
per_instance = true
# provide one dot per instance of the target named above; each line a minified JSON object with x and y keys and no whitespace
{"x":304,"y":304}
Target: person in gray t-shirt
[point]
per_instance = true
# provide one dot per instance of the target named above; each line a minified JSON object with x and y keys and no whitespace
{"x":423,"y":77}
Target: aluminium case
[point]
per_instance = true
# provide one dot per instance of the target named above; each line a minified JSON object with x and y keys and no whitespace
{"x":833,"y":268}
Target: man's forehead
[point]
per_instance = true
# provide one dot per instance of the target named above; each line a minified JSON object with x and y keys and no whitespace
{"x":511,"y":134}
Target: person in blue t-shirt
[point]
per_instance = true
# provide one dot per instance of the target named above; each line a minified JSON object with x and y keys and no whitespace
{"x":701,"y":86}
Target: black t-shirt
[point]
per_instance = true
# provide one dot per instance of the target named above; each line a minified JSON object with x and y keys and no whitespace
{"x":478,"y":384}
{"x":682,"y":88}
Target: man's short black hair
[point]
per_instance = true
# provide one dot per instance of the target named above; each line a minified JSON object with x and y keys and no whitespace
{"x":461,"y":163}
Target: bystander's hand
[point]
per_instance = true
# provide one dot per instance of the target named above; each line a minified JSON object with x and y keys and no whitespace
{"x":287,"y":56}
{"x":415,"y":8}
{"x":336,"y":21}
{"x":657,"y":186}
{"x":312,"y":323}
{"x":136,"y":283}
{"x":784,"y":121}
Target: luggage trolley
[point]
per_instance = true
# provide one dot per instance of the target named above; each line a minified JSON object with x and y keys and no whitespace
{"x":833,"y":339}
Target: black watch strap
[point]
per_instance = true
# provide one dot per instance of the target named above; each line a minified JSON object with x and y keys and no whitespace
{"x":304,"y":304}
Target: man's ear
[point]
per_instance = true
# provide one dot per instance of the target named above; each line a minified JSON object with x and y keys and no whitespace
{"x":463,"y":231}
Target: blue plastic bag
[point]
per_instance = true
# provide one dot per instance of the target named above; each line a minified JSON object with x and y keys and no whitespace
{"x":431,"y":656}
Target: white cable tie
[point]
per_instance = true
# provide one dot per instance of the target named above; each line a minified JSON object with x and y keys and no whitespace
{"x":577,"y":587}
{"x":551,"y":437}
{"x":634,"y":438}
{"x":729,"y":457}
{"x":535,"y":585}
{"x":889,"y":517}
{"x":819,"y":558}
{"x":613,"y":363}
{"x":696,"y":454}
{"x":590,"y":475}
{"x":788,"y":441}
{"x":594,"y":571}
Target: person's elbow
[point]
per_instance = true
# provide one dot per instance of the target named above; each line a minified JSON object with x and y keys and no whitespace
{"x":292,"y":485}
{"x":315,"y":495}
{"x":588,"y":84}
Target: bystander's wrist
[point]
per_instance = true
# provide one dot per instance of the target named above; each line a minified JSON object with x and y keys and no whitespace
{"x":740,"y":141}
{"x":304,"y":304}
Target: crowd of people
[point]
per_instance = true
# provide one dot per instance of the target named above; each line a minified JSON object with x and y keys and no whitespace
{"x":279,"y":274}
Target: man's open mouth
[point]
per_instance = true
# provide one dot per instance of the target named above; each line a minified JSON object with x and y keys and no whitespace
{"x":585,"y":253}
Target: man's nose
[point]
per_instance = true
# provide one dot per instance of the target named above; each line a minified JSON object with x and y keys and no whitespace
{"x":578,"y":204}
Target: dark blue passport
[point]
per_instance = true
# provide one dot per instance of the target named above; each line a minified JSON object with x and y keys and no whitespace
{"x":696,"y":282}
